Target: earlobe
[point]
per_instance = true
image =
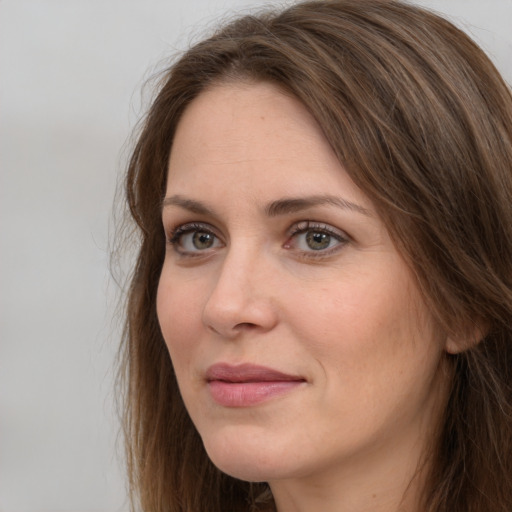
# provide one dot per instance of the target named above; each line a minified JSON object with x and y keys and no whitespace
{"x":456,"y":347}
{"x":457,"y":343}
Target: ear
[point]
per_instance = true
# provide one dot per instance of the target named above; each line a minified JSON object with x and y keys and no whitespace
{"x":467,"y":338}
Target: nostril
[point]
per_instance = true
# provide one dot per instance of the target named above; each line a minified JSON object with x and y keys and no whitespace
{"x":240,"y":326}
{"x":245,"y":325}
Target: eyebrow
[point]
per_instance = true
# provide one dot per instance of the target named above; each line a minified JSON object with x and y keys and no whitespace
{"x":187,"y":204}
{"x":276,"y":208}
{"x":293,"y":205}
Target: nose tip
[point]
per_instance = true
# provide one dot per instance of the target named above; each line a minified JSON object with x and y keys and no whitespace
{"x":239,"y":302}
{"x":232,"y":314}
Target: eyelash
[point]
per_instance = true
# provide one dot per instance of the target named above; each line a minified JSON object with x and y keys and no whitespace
{"x":320,"y":228}
{"x":179,"y":232}
{"x":176,"y":235}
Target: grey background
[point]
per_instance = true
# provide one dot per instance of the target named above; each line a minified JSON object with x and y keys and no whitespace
{"x":71,"y":74}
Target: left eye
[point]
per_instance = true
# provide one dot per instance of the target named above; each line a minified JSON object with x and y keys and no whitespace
{"x":318,"y":241}
{"x":198,"y":241}
{"x":193,"y":239}
{"x":319,"y":238}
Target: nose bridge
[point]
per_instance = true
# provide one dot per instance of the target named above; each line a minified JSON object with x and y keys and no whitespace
{"x":239,"y":297}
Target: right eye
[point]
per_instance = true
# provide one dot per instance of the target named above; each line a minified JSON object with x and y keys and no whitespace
{"x":194,"y":239}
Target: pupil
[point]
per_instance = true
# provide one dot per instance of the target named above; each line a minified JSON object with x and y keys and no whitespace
{"x":318,"y":241}
{"x":202,"y":240}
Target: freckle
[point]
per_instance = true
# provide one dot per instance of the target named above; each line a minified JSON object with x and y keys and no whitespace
{"x":374,"y":496}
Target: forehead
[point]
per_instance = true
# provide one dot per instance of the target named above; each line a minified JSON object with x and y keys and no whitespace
{"x":257,"y":137}
{"x":240,"y":117}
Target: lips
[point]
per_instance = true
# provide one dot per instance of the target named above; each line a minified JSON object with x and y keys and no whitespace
{"x":246,"y":385}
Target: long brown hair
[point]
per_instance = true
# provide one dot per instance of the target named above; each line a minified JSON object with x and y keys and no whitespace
{"x":422,"y":121}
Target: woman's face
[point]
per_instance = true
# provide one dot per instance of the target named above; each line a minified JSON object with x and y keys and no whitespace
{"x":299,"y":339}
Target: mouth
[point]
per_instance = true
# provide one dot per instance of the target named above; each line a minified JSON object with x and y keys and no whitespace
{"x":246,"y":385}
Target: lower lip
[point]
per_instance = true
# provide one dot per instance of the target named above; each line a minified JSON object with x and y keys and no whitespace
{"x":245,"y":394}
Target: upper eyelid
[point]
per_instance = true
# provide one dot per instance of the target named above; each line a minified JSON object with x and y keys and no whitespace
{"x":186,"y":227}
{"x":319,"y":226}
{"x":302,"y":225}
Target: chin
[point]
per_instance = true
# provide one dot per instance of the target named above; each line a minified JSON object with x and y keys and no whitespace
{"x":244,"y":470}
{"x":248,"y":460}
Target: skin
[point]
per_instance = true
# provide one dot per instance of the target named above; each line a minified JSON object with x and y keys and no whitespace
{"x":345,"y":314}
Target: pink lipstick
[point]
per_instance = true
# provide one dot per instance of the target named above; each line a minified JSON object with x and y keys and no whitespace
{"x":246,"y":384}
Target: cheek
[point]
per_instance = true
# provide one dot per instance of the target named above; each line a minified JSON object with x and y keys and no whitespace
{"x":179,"y":308}
{"x":367,"y":325}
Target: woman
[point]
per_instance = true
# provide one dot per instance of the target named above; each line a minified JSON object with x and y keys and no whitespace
{"x":319,"y":318}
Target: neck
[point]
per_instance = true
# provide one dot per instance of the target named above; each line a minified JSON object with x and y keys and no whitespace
{"x":392,"y":485}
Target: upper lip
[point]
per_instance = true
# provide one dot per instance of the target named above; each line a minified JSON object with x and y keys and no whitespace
{"x":247,"y":373}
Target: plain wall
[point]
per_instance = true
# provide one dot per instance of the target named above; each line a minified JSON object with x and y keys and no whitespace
{"x":71,"y":73}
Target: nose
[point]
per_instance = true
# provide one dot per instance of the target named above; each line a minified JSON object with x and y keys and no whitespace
{"x":242,"y":296}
